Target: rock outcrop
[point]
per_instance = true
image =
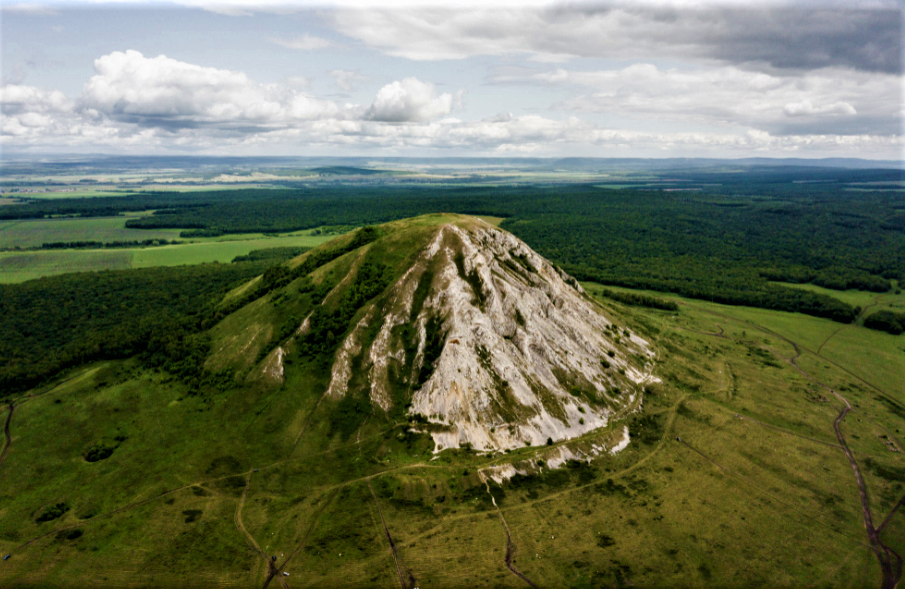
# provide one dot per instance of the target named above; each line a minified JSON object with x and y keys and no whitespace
{"x":498,"y":348}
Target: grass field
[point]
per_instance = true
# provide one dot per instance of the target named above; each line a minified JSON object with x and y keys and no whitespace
{"x":33,"y":233}
{"x":22,"y":266}
{"x":201,"y":493}
{"x":93,"y":192}
{"x":859,"y":298}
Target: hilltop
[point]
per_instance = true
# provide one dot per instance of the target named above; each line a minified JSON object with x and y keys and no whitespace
{"x":446,"y":318}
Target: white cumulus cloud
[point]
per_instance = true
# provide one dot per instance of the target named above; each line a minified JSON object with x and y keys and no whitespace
{"x":140,"y":104}
{"x":411,"y":100}
{"x":805,"y":107}
{"x":167,"y":92}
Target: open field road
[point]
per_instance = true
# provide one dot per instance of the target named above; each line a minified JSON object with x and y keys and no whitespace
{"x":891,"y":513}
{"x":510,"y":547}
{"x":890,"y":561}
{"x":9,"y":439}
{"x":386,"y":531}
{"x":279,"y":569}
{"x":272,"y":571}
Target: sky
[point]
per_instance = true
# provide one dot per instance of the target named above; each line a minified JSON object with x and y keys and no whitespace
{"x":653,"y":78}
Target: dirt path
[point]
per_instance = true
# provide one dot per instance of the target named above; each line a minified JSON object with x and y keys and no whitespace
{"x":890,"y":561}
{"x":510,"y":547}
{"x":785,"y":431}
{"x":386,"y":531}
{"x":304,"y":542}
{"x":272,"y":572}
{"x":876,"y":301}
{"x":9,"y":438}
{"x":891,"y":513}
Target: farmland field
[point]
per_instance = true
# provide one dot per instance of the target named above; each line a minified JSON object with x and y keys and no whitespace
{"x":28,"y":265}
{"x":34,"y":232}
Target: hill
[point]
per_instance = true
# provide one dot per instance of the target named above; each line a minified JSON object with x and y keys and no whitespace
{"x":446,"y":318}
{"x":429,"y":402}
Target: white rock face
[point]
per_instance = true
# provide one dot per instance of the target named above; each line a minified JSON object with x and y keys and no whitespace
{"x":522,"y":350}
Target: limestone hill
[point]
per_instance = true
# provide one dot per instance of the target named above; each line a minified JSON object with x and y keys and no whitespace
{"x":445,"y":317}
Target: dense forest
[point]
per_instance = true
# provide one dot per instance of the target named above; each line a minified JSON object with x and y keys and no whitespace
{"x":733,"y":247}
{"x":54,"y":323}
{"x":729,"y":243}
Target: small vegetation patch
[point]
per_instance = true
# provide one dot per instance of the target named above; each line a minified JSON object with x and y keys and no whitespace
{"x":52,"y":512}
{"x":890,"y":473}
{"x":70,"y":534}
{"x":98,"y":452}
{"x":604,"y":541}
{"x":349,"y":413}
{"x":888,"y":321}
{"x":192,"y":515}
{"x":639,"y":300}
{"x":224,"y":465}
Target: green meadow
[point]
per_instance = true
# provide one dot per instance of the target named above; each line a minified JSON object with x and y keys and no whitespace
{"x":34,"y":232}
{"x":733,"y":476}
{"x":28,"y":265}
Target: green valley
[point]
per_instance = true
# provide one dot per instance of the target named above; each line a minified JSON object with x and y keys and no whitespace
{"x":370,"y":398}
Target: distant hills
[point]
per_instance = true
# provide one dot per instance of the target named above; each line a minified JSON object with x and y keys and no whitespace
{"x":360,"y":165}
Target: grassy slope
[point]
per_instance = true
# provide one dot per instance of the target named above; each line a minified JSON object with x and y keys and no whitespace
{"x":736,"y":503}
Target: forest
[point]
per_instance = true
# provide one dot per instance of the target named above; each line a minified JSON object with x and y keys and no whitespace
{"x":59,"y":322}
{"x":729,"y":238}
{"x":724,"y":247}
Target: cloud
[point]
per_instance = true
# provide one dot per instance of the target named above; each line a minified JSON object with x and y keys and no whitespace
{"x":778,"y":37}
{"x":304,"y":42}
{"x":348,"y":80}
{"x":410,"y":100}
{"x":139,"y":104}
{"x":824,"y":102}
{"x":161,"y":91}
{"x":33,"y":9}
{"x":17,"y":99}
{"x":805,"y":108}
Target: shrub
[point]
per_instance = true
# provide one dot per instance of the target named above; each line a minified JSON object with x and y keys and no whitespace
{"x":888,"y":321}
{"x":98,"y":452}
{"x":604,"y":541}
{"x":52,"y":512}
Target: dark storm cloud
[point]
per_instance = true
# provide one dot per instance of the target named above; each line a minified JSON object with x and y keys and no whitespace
{"x":774,"y":37}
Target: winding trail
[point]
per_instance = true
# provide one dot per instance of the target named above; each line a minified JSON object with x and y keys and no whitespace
{"x":389,"y":538}
{"x":890,"y":561}
{"x":9,"y":438}
{"x":251,"y":540}
{"x":510,"y":546}
{"x":891,"y":513}
{"x":786,"y":431}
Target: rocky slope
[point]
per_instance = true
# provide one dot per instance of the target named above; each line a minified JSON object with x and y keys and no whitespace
{"x":444,"y":317}
{"x":499,"y":348}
